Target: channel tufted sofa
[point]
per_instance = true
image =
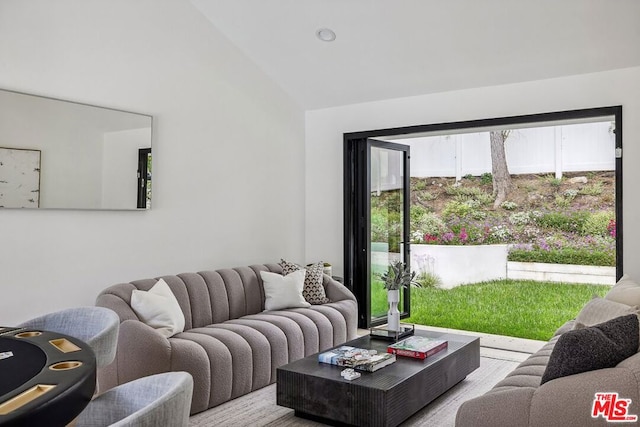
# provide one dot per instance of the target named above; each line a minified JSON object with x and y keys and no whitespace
{"x":589,"y":365}
{"x":230,"y":345}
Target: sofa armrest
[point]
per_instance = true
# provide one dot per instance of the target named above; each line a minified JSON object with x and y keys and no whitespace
{"x":569,"y":400}
{"x":142,"y":351}
{"x":335,"y":290}
{"x":503,"y":408}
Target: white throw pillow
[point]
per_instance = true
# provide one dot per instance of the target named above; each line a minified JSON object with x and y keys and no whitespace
{"x":283,"y":291}
{"x":159,"y":309}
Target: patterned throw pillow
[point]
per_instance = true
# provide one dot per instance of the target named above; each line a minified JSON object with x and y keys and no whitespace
{"x":313,"y":290}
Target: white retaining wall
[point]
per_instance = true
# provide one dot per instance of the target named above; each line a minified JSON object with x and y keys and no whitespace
{"x":459,"y":265}
{"x":566,"y":273}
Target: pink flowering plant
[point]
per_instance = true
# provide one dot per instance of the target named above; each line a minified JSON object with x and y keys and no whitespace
{"x":568,"y":237}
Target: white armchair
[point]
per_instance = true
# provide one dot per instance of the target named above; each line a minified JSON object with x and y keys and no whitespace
{"x":96,"y":326}
{"x":156,"y":400}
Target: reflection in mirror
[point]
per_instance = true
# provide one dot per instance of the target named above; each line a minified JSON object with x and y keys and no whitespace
{"x":63,"y":155}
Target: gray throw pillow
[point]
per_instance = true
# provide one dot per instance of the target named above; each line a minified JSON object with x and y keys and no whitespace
{"x":596,"y":347}
{"x":599,"y":310}
{"x":626,"y":291}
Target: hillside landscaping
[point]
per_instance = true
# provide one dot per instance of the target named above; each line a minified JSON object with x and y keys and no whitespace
{"x":566,"y":221}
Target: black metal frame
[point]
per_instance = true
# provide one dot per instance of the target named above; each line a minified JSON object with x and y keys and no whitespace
{"x":143,"y":157}
{"x":356,"y":178}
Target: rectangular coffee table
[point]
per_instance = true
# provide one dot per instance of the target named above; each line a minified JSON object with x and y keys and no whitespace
{"x":383,"y":398}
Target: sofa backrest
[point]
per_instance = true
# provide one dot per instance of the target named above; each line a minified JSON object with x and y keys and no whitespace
{"x":205,"y":297}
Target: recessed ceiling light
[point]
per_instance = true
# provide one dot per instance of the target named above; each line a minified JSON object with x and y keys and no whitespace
{"x":326,"y":34}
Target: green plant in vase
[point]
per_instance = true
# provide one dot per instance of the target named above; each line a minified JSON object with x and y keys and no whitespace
{"x":398,"y":276}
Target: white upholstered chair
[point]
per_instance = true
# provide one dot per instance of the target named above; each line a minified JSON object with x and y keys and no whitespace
{"x":96,"y":326}
{"x":156,"y":400}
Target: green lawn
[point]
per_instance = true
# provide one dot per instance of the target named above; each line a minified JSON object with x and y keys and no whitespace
{"x":525,"y":309}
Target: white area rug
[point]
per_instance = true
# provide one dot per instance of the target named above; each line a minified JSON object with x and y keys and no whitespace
{"x":259,"y":408}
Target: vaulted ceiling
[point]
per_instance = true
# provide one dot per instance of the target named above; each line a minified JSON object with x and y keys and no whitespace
{"x":388,"y":49}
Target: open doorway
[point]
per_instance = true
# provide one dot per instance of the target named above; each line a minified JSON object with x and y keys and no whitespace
{"x":560,"y":157}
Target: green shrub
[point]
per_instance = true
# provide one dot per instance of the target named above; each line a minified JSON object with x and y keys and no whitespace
{"x":472,"y":203}
{"x":570,"y":194}
{"x":456,"y":209}
{"x":428,"y":223}
{"x":484,"y":198}
{"x":596,"y":224}
{"x":416,"y":213}
{"x":564,"y":221}
{"x":562,"y":202}
{"x":565,"y":256}
{"x":519,"y":218}
{"x":486,"y":178}
{"x":418,"y":185}
{"x":427,"y":196}
{"x":499,"y":234}
{"x":553,"y":181}
{"x":508,"y":205}
{"x":470,"y":194}
{"x":379,"y":225}
{"x":594,"y":189}
{"x":478,"y":215}
{"x":428,"y":280}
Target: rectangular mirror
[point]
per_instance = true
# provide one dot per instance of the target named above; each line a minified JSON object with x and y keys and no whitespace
{"x":57,"y":154}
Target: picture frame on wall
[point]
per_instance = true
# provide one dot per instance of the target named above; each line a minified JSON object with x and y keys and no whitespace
{"x":19,"y":178}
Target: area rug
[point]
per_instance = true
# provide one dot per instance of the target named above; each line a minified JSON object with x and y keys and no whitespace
{"x":259,"y":407}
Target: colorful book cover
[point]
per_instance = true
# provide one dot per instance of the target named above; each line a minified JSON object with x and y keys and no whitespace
{"x":357,"y":358}
{"x":417,"y":347}
{"x":341,"y":356}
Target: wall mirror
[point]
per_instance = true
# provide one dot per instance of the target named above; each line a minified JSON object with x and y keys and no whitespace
{"x":57,"y":154}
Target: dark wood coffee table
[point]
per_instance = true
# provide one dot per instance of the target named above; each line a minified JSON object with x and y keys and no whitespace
{"x":383,"y":398}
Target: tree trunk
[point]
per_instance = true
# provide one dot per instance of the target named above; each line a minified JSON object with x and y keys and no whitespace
{"x":499,"y":170}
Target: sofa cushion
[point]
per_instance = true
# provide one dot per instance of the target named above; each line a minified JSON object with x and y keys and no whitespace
{"x":597,"y":347}
{"x":313,"y":291}
{"x":626,"y":291}
{"x":283,"y":291}
{"x":599,"y":310}
{"x":159,"y":308}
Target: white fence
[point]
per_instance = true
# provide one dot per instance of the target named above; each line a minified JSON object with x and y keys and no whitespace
{"x":552,"y":149}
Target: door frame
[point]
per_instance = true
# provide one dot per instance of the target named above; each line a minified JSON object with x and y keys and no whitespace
{"x":362,"y":230}
{"x":143,"y":177}
{"x":354,"y":184}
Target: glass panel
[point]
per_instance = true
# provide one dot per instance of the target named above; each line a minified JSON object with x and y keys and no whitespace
{"x":387,"y":219}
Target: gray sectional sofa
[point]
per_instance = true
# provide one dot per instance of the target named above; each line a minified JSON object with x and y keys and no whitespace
{"x":557,"y":385}
{"x":230,"y":345}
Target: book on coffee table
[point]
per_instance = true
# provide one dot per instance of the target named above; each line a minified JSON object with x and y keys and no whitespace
{"x":377,"y":362}
{"x":417,"y":347}
{"x":357,"y":358}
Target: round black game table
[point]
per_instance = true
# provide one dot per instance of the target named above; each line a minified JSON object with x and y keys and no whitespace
{"x":46,"y":378}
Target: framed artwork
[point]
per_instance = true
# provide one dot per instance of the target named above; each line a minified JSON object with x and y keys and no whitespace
{"x":19,"y":178}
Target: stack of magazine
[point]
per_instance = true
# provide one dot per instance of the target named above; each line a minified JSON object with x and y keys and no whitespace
{"x":357,"y":358}
{"x":417,"y":347}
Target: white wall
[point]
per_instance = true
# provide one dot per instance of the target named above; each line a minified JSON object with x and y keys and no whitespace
{"x":325,"y":129}
{"x":228,"y":150}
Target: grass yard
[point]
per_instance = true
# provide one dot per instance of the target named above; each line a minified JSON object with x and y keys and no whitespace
{"x":525,"y":309}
